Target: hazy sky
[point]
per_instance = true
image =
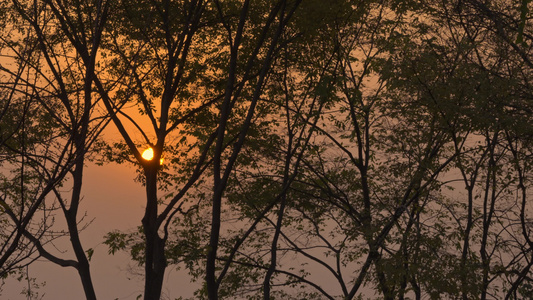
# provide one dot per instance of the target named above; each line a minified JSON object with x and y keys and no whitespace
{"x":115,"y":201}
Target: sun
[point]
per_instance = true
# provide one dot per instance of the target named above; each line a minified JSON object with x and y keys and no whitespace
{"x":148,"y":154}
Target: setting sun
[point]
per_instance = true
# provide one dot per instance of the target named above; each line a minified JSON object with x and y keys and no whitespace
{"x":148,"y":154}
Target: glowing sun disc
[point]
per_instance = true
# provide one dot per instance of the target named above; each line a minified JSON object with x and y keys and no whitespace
{"x":148,"y":154}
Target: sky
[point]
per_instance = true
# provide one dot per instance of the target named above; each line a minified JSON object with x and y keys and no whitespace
{"x":114,"y":201}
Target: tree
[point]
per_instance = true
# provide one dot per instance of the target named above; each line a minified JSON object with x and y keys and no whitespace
{"x":425,"y":125}
{"x":56,"y":91}
{"x":374,"y":141}
{"x":165,"y":65}
{"x":470,"y":76}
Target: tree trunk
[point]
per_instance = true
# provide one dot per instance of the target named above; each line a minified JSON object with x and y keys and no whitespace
{"x":155,"y":260}
{"x":211,"y":281}
{"x":71,"y":216}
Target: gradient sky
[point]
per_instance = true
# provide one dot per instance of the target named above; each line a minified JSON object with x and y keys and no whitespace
{"x":115,"y":201}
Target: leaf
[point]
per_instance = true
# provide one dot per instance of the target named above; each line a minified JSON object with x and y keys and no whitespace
{"x":90,"y":253}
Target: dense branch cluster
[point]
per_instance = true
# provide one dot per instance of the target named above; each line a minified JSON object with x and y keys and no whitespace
{"x":359,"y":149}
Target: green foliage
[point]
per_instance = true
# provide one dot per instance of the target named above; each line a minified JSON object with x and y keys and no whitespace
{"x":116,"y":241}
{"x":132,"y":242}
{"x":390,"y":145}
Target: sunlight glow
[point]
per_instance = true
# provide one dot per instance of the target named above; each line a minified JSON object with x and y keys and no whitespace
{"x":148,"y":154}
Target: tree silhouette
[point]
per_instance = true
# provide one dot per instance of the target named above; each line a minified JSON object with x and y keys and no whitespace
{"x":383,"y":145}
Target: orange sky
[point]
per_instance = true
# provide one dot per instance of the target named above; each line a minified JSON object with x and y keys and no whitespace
{"x":115,"y":201}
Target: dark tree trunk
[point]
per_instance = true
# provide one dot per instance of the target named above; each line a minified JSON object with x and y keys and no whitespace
{"x":155,"y":261}
{"x":211,"y":280}
{"x":71,"y":214}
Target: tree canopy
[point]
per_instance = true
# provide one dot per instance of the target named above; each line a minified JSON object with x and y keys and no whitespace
{"x":384,"y":146}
